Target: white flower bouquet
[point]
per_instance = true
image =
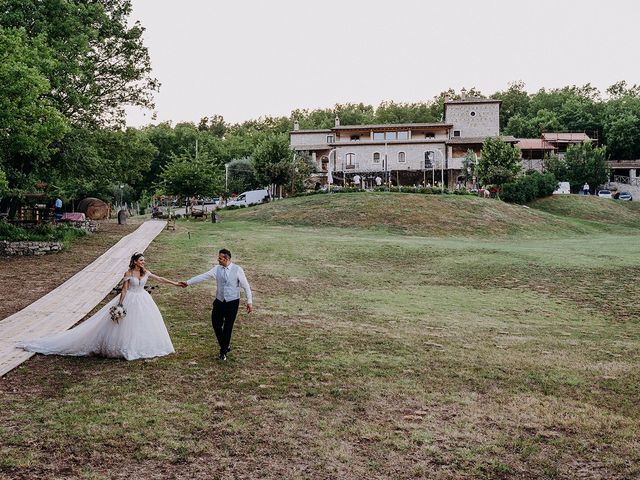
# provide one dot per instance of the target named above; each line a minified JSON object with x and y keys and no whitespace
{"x":117,"y":313}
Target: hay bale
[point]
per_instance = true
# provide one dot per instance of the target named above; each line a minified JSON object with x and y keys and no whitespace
{"x":94,"y":208}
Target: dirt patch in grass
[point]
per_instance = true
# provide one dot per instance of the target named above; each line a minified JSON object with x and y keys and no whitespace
{"x":26,"y":279}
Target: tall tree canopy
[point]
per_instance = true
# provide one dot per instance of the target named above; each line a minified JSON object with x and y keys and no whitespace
{"x":99,"y":62}
{"x":29,"y":122}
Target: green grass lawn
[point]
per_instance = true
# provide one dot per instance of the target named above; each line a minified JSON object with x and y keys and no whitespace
{"x":372,"y":353}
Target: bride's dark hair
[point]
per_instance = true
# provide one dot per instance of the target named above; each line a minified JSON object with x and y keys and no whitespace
{"x":134,"y":259}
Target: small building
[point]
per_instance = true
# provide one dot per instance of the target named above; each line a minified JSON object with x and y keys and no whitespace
{"x":534,"y":151}
{"x":562,"y":140}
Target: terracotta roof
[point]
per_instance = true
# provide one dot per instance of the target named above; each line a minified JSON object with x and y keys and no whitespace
{"x":466,"y":140}
{"x":565,"y":136}
{"x":534,"y":144}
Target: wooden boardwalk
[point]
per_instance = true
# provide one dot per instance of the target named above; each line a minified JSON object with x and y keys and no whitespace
{"x":63,"y":307}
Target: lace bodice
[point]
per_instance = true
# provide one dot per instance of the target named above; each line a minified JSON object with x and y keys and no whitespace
{"x":137,"y":284}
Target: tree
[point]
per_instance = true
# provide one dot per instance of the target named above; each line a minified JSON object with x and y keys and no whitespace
{"x":515,"y":102}
{"x":499,"y":162}
{"x":241,"y":176}
{"x":29,"y":123}
{"x":91,"y":161}
{"x":519,"y":126}
{"x":272,"y":160}
{"x":100,"y":63}
{"x":214,"y":125}
{"x":4,"y":183}
{"x":621,"y":122}
{"x":586,"y":164}
{"x":391,"y":112}
{"x":184,"y":175}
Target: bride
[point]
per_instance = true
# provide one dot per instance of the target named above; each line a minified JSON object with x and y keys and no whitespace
{"x":140,"y":334}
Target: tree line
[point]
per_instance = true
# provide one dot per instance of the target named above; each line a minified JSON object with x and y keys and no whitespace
{"x":69,"y":67}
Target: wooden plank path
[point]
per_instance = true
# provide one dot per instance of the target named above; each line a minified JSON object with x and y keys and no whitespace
{"x":65,"y":306}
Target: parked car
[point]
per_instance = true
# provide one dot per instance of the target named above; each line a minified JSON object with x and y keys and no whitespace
{"x":605,"y":194}
{"x":624,"y":196}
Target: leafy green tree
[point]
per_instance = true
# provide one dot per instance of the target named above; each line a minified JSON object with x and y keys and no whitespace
{"x":621,"y":121}
{"x":100,"y":63}
{"x":272,"y":159}
{"x":241,"y":176}
{"x":4,"y":183}
{"x":515,"y":102}
{"x":557,"y":166}
{"x":90,"y":161}
{"x":520,"y":127}
{"x":545,"y":121}
{"x":29,"y":123}
{"x":391,"y":112}
{"x":186,"y":176}
{"x":499,"y":162}
{"x":214,"y":125}
{"x":586,"y":163}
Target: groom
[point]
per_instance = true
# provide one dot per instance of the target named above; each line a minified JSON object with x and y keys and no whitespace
{"x":229,"y":278}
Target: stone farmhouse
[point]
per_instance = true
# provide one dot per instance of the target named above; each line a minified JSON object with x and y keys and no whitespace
{"x":401,"y":154}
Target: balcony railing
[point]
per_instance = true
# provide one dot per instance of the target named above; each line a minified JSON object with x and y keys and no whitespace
{"x":627,"y":180}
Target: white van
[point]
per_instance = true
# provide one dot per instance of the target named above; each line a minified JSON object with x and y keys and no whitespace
{"x":563,"y":189}
{"x":252,"y":197}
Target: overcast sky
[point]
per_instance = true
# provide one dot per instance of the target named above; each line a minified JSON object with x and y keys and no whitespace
{"x":243,"y":59}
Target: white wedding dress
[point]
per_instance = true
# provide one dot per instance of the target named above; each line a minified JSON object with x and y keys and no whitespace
{"x":140,"y":334}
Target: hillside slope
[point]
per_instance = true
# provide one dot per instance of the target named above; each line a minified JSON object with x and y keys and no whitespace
{"x":417,"y":214}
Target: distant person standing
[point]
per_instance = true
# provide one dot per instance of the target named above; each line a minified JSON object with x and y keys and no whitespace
{"x":58,"y":209}
{"x":585,"y":189}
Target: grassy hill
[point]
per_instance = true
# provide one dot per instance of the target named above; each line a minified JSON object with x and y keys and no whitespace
{"x":451,"y":215}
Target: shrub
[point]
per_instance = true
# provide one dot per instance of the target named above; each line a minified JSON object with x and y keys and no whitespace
{"x":527,"y":188}
{"x":41,"y":233}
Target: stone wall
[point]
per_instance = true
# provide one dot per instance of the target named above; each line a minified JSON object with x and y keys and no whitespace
{"x":27,"y":248}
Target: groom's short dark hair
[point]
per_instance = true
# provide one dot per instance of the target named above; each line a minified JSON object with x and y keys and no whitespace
{"x":225,"y":252}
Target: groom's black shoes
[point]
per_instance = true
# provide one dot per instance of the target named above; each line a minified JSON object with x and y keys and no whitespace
{"x":222,"y":357}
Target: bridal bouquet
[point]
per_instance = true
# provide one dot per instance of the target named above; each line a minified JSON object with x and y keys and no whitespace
{"x":117,"y":313}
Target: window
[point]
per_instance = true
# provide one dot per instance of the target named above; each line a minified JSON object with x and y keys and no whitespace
{"x":378,"y":135}
{"x":376,"y":157}
{"x":330,"y":139}
{"x":390,"y":135}
{"x":350,"y":159}
{"x":401,"y":157}
{"x":429,"y":135}
{"x":355,"y":138}
{"x":403,"y":135}
{"x":456,"y":133}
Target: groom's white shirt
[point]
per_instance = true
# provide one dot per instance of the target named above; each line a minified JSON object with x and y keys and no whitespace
{"x":228,"y":283}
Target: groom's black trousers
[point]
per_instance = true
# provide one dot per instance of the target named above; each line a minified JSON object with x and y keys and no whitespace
{"x":222,"y":317}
